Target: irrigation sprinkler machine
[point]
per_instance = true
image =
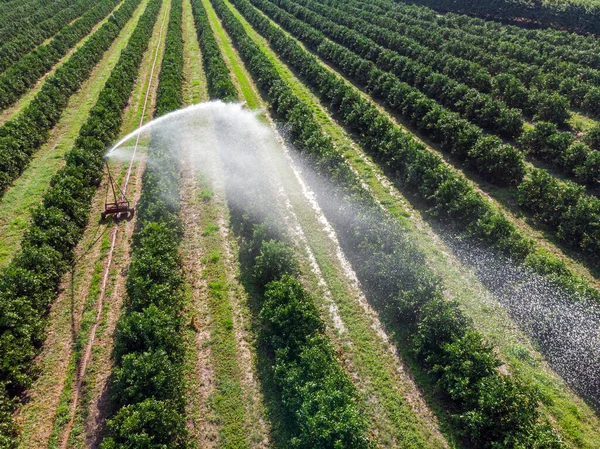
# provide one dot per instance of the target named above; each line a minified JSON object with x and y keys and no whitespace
{"x":120,"y":207}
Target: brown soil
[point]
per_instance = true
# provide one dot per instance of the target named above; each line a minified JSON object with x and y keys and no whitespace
{"x":203,"y":429}
{"x":103,"y":363}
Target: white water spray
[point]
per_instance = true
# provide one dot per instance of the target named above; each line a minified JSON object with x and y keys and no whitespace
{"x":171,"y":119}
{"x":565,"y":331}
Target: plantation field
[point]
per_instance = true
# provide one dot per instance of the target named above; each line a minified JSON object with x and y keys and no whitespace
{"x":351,"y":224}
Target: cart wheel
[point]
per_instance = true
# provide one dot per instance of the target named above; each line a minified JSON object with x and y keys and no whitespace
{"x":103,"y":216}
{"x":131,"y":211}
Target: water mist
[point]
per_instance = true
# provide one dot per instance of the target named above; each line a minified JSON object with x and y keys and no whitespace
{"x":566,"y":330}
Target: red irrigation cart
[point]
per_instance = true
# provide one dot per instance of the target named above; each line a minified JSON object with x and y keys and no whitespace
{"x":119,"y":206}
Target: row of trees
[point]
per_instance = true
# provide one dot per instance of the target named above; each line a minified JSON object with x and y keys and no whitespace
{"x":431,"y":72}
{"x":219,"y":81}
{"x":147,"y":389}
{"x":496,"y":162}
{"x":315,"y":391}
{"x":30,"y":282}
{"x":413,"y":38}
{"x":541,"y":44}
{"x":553,"y":41}
{"x":577,"y":17}
{"x":561,"y":149}
{"x":28,"y":13}
{"x":17,"y":79}
{"x":14,"y":48}
{"x":576,"y":83}
{"x":24,"y":134}
{"x":563,"y":207}
{"x":381,"y":252}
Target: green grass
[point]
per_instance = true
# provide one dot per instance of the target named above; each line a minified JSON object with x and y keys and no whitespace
{"x":227,"y":400}
{"x":194,"y":89}
{"x":580,"y":122}
{"x":241,"y":77}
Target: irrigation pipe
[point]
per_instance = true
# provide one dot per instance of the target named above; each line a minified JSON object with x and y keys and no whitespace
{"x":100,"y":304}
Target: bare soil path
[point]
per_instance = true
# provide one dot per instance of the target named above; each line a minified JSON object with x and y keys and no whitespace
{"x":221,"y":346}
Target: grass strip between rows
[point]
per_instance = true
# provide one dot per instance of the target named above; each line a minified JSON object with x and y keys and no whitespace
{"x":22,"y":136}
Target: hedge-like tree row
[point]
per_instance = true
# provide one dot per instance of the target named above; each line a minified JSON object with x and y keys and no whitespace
{"x":305,"y":367}
{"x":530,"y":50}
{"x":542,"y":44}
{"x":169,"y":94}
{"x":29,"y":13}
{"x":219,"y":81}
{"x":147,"y":390}
{"x":553,"y":82}
{"x":30,"y":282}
{"x":545,"y":40}
{"x":23,"y":135}
{"x":562,"y":150}
{"x":23,"y":74}
{"x":12,"y":50}
{"x":450,"y":194}
{"x":564,"y":207}
{"x":496,"y":162}
{"x":576,"y":17}
{"x":444,"y":341}
{"x":475,"y":106}
{"x":553,"y":35}
{"x":415,"y":40}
